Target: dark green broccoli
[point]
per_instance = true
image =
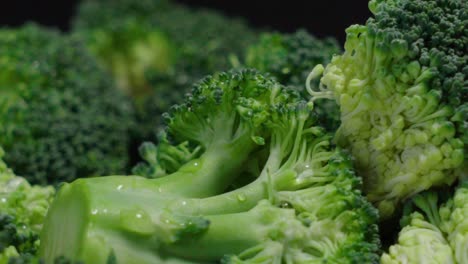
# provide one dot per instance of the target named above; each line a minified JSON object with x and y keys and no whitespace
{"x":303,"y":207}
{"x":22,"y":211}
{"x":60,"y":116}
{"x":16,"y":241}
{"x":290,"y":58}
{"x":401,"y":87}
{"x":157,"y":49}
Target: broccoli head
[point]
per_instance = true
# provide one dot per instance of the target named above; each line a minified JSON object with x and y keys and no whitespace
{"x":434,"y":229}
{"x":60,"y":117}
{"x":157,"y":49}
{"x":22,"y":211}
{"x":402,"y":93}
{"x":454,"y":218}
{"x":290,"y":58}
{"x":421,"y":240}
{"x":304,"y":206}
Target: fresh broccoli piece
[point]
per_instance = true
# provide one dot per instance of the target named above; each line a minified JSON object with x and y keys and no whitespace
{"x":156,"y":49}
{"x":435,"y":229}
{"x":454,"y":223}
{"x":421,"y":240}
{"x":305,"y":205}
{"x":60,"y":117}
{"x":22,"y":211}
{"x":290,"y":58}
{"x":402,"y":93}
{"x":16,"y":240}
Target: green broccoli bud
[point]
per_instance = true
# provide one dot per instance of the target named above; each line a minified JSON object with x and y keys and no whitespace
{"x":290,"y":58}
{"x":399,"y":85}
{"x":60,"y":116}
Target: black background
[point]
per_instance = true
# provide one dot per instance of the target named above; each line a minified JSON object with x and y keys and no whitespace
{"x":319,"y":17}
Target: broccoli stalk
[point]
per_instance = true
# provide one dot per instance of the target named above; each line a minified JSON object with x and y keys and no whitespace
{"x":401,"y":87}
{"x":306,"y":200}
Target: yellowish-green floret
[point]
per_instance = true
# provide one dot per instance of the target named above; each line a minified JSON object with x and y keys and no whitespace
{"x":401,"y":87}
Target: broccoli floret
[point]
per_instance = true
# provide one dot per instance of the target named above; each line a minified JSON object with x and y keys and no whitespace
{"x":435,"y":229}
{"x":60,"y":117}
{"x":16,"y":240}
{"x":402,"y":93}
{"x":164,"y":158}
{"x":419,"y":242}
{"x":22,"y":211}
{"x":290,"y":58}
{"x":157,"y":49}
{"x":305,"y":205}
{"x":454,"y":217}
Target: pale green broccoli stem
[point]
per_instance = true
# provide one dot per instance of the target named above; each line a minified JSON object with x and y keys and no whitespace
{"x":242,"y":199}
{"x":116,"y":212}
{"x":211,"y":173}
{"x":313,"y":75}
{"x":121,"y":216}
{"x":302,"y":169}
{"x":259,"y":225}
{"x":428,"y":204}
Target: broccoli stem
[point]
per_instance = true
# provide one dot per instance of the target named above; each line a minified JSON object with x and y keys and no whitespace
{"x":103,"y":213}
{"x":217,"y":167}
{"x":239,"y":200}
{"x":224,"y":236}
{"x":93,"y":216}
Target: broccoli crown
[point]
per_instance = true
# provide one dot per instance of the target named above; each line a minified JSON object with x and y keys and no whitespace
{"x":228,"y":107}
{"x":290,"y":58}
{"x":303,"y":206}
{"x":402,"y":93}
{"x":155,"y":50}
{"x":60,"y":116}
{"x":228,"y":111}
{"x":22,"y":212}
{"x":434,"y":229}
{"x":419,"y":242}
{"x":454,"y":217}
